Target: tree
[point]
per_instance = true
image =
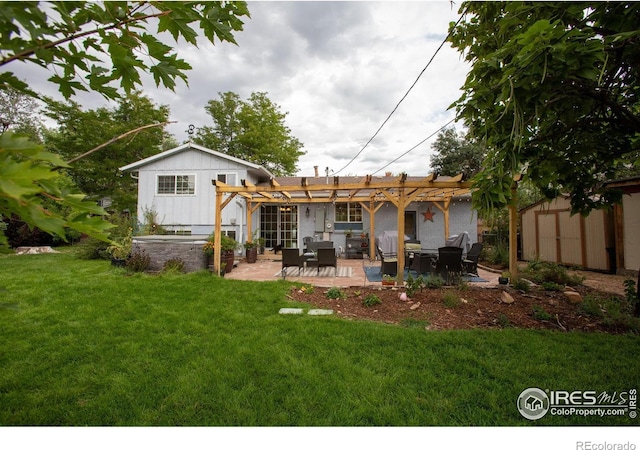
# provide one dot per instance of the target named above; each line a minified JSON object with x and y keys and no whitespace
{"x":456,"y":153}
{"x":553,"y":90}
{"x":89,"y":46}
{"x":97,"y":174}
{"x":20,"y":114}
{"x":252,"y":130}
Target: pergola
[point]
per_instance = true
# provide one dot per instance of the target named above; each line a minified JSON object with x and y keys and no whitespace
{"x":371,"y":193}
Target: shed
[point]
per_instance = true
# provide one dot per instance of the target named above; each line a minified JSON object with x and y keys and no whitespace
{"x":605,"y":240}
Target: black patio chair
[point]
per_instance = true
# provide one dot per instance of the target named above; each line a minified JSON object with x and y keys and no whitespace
{"x":388,"y":263}
{"x":449,"y":264}
{"x":291,"y":258}
{"x":470,"y":263}
{"x":327,"y":258}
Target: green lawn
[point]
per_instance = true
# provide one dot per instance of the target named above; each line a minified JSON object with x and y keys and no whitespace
{"x":84,"y":344}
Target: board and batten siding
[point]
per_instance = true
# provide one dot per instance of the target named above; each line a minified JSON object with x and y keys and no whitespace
{"x":550,"y":233}
{"x":631,"y":221}
{"x":193,"y":211}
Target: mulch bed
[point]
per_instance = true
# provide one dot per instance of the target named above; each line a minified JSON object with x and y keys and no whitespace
{"x":468,"y":308}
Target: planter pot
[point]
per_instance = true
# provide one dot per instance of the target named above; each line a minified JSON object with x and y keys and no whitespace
{"x":252,"y":255}
{"x":388,"y":283}
{"x":503,"y":280}
{"x":227,"y":257}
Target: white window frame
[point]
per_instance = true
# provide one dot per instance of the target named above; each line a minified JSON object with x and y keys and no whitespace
{"x":175,"y":192}
{"x":226,"y":176}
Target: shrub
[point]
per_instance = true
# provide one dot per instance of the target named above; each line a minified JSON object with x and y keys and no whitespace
{"x":175,"y":265}
{"x":539,"y":313}
{"x":413,"y":284}
{"x":450,"y":300}
{"x":541,"y":272}
{"x":551,"y":286}
{"x":92,"y":248}
{"x":371,"y":300}
{"x":433,"y":282}
{"x":520,"y":284}
{"x":499,"y":255}
{"x":139,"y":261}
{"x":336,"y":293}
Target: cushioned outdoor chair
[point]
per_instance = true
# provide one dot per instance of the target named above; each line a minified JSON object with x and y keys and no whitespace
{"x":389,"y":263}
{"x":291,"y":258}
{"x":470,"y":263}
{"x":327,"y":258}
{"x":449,"y":264}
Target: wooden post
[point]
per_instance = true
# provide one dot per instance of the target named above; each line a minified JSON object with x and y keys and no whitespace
{"x":401,"y":206}
{"x":217,"y":232}
{"x":249,"y":224}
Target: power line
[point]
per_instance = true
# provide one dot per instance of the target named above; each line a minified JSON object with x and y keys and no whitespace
{"x":404,"y":96}
{"x":416,"y":146}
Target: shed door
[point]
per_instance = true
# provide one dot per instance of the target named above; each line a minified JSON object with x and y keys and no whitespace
{"x":547,"y":237}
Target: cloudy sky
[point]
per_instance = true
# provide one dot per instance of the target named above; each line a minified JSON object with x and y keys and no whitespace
{"x":337,"y":69}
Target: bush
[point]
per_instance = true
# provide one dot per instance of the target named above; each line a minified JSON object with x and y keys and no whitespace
{"x":91,"y":248}
{"x":371,"y":300}
{"x":551,"y":286}
{"x":450,"y":300}
{"x":413,"y":285}
{"x":175,"y":265}
{"x":499,"y":255}
{"x":139,"y":261}
{"x":539,"y":313}
{"x":433,"y":282}
{"x":541,"y":272}
{"x":335,"y":293}
{"x":520,"y":284}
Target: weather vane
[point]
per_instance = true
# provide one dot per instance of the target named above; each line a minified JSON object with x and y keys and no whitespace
{"x":190,"y":130}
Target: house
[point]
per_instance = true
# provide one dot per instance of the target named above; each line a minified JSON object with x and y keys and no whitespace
{"x":181,"y":184}
{"x":603,"y":240}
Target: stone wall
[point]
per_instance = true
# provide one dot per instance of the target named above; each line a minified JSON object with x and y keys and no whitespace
{"x":162,"y":249}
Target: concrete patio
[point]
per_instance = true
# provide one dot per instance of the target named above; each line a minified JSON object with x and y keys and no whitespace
{"x":267,"y":265}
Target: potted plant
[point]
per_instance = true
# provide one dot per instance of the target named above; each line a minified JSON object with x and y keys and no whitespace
{"x":349,"y":233}
{"x":120,"y":250}
{"x":228,"y":246}
{"x":388,"y":280}
{"x":504,"y":278}
{"x":251,"y":248}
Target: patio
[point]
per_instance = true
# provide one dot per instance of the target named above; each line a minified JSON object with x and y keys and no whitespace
{"x":269,"y":264}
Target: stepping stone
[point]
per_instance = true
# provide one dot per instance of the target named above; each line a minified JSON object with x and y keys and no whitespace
{"x":290,"y":311}
{"x":320,"y":312}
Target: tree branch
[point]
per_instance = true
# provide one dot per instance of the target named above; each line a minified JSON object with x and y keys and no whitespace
{"x":101,"y":146}
{"x":28,"y":52}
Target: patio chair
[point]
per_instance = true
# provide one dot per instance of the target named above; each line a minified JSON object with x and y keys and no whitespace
{"x":291,"y":258}
{"x":327,"y":258}
{"x":470,"y":263}
{"x":427,"y":264}
{"x":449,"y":264}
{"x":389,"y":263}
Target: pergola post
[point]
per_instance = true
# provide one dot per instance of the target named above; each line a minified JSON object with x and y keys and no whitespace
{"x":401,"y":206}
{"x":217,"y":232}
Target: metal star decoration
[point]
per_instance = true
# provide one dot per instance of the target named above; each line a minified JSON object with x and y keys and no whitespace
{"x":428,"y":214}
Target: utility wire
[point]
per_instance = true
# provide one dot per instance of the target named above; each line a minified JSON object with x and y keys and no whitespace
{"x":404,"y":96}
{"x":416,"y":146}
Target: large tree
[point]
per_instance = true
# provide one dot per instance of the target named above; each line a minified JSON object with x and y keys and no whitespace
{"x":97,"y":174}
{"x":91,"y":46}
{"x":253,"y":130}
{"x":554,"y":92}
{"x":455,"y":153}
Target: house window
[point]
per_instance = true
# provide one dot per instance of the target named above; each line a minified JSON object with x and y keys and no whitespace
{"x":227,"y":178}
{"x":349,"y":212}
{"x":176,"y":184}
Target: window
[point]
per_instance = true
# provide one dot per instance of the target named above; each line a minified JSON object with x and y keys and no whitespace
{"x":227,"y":178}
{"x":349,"y":212}
{"x":176,"y":184}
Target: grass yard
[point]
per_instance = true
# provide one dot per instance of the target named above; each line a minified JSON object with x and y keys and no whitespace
{"x":85,"y":344}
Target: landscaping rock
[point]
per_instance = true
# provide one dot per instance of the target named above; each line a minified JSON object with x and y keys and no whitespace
{"x":320,"y":312}
{"x":506,"y":298}
{"x":573,"y":297}
{"x":34,"y":250}
{"x":415,"y":306}
{"x":290,"y":311}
